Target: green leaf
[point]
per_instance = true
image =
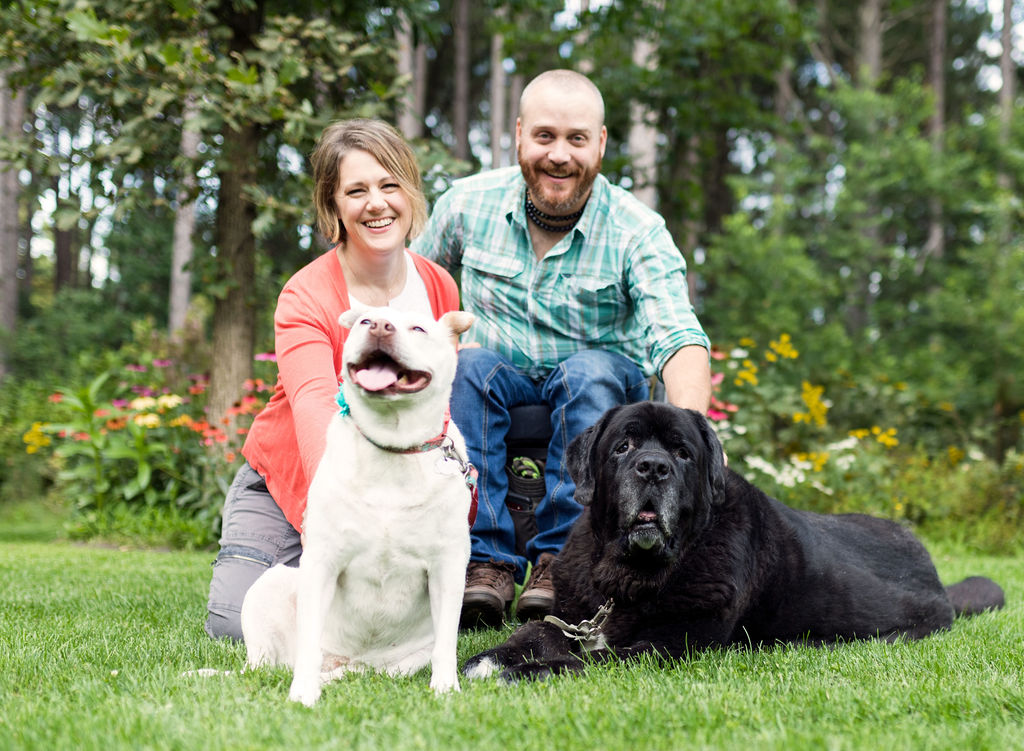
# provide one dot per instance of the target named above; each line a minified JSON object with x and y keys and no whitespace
{"x":248,"y":77}
{"x":85,"y":25}
{"x":171,"y":54}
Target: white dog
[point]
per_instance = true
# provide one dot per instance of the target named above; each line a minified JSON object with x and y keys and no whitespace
{"x":386,"y":529}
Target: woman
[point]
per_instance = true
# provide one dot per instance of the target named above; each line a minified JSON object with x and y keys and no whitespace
{"x":369,"y":203}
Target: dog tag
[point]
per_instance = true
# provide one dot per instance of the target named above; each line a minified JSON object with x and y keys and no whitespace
{"x":447,"y":467}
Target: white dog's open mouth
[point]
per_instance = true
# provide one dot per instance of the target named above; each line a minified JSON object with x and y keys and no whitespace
{"x":380,"y":373}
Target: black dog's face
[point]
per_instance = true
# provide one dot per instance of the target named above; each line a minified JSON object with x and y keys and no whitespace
{"x":652,"y":473}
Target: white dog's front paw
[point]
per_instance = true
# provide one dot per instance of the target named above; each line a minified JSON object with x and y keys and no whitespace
{"x":442,"y":685}
{"x":305,"y":692}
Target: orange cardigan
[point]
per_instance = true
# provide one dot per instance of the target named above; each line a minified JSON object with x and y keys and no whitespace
{"x":287,"y":438}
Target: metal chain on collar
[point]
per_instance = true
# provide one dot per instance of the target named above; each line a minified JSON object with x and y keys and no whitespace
{"x":589,"y":632}
{"x":469,"y":472}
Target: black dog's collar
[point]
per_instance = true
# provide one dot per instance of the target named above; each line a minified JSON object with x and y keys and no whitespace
{"x":588,"y":633}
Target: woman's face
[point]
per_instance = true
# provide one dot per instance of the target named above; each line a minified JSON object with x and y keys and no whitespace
{"x":371,"y":205}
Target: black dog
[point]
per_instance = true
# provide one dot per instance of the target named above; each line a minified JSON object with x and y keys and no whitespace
{"x":674,"y":552}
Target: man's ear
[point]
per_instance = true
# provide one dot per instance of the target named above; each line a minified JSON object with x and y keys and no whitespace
{"x":714,"y":470}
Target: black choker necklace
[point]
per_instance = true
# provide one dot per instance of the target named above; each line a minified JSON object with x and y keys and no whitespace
{"x":544,"y":221}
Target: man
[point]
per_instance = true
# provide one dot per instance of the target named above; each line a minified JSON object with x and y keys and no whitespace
{"x":580,"y":294}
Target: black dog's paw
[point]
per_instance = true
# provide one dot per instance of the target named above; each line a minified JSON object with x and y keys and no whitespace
{"x":484,"y":665}
{"x":526,"y":671}
{"x":533,"y":644}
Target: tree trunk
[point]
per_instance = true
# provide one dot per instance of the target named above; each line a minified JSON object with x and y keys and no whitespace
{"x":869,"y":53}
{"x":934,"y":246}
{"x":233,"y":313}
{"x":1008,"y":69}
{"x":460,"y":108}
{"x":184,"y":225}
{"x":642,"y":139}
{"x":869,"y":71}
{"x":1007,"y":408}
{"x":12,"y":115}
{"x":515,"y":92}
{"x":410,"y":117}
{"x":498,"y":94}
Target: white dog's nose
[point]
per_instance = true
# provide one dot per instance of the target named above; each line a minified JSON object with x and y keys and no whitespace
{"x":382,"y":328}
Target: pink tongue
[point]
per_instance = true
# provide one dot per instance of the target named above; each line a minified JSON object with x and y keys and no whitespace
{"x":376,"y":378}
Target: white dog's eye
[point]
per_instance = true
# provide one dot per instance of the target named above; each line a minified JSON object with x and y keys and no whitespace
{"x":366,"y":322}
{"x":419,"y":329}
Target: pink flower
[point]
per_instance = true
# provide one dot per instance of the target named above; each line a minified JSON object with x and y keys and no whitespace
{"x":136,"y":368}
{"x":56,"y":398}
{"x":266,"y":357}
{"x":714,"y":414}
{"x":162,"y":363}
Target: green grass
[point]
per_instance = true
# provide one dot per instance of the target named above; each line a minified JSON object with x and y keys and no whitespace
{"x":94,"y":641}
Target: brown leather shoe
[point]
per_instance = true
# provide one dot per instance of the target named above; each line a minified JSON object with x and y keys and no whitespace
{"x":538,"y":595}
{"x":489,"y":590}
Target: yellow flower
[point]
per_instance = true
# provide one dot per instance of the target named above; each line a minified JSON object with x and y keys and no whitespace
{"x":816,"y":406}
{"x":35,"y":438}
{"x":148,"y":420}
{"x":887,"y":438}
{"x":783,"y":347}
{"x":143,"y":403}
{"x":946,"y":406}
{"x":180,"y":421}
{"x":168,"y":401}
{"x":860,"y":433}
{"x":955,"y":455}
{"x":747,"y":342}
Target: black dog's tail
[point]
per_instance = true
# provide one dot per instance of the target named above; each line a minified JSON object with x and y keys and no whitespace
{"x":974,"y":595}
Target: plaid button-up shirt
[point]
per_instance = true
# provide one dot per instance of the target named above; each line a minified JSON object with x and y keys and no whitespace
{"x":615,"y":282}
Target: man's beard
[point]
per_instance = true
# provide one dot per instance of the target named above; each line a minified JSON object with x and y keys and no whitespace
{"x":585,"y":181}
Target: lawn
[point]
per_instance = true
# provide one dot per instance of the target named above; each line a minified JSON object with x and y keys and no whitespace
{"x":95,"y":642}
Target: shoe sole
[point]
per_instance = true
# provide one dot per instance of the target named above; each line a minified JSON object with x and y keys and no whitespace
{"x":481,"y":615}
{"x":534,"y":607}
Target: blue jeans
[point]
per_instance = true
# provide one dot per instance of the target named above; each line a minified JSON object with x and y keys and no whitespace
{"x":578,"y":392}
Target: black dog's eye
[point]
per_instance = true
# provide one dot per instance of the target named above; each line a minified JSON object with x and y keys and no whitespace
{"x":683,"y":452}
{"x":622,"y":448}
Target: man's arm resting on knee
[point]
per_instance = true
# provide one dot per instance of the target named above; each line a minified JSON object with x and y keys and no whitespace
{"x":687,"y":378}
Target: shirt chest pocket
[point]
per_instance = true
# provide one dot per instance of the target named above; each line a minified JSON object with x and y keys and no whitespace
{"x":594,"y":291}
{"x":593,"y":308}
{"x":486,"y":262}
{"x":493,"y":281}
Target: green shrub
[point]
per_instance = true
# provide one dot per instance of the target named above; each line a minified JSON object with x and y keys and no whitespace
{"x":26,"y":471}
{"x":136,"y":457}
{"x":786,"y":435}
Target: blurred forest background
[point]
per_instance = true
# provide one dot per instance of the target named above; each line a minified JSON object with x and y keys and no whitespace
{"x":844,"y":180}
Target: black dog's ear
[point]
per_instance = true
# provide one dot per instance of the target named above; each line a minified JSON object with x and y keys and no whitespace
{"x":580,"y":464}
{"x":714,"y":474}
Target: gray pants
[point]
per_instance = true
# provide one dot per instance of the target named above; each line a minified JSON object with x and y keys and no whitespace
{"x":254,"y":536}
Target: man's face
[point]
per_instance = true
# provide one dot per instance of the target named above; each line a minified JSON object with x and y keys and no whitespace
{"x":560,"y":141}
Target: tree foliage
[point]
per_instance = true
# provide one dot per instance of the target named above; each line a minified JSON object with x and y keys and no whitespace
{"x":801,"y":194}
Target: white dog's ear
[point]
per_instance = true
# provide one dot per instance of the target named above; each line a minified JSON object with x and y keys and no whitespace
{"x":457,"y":321}
{"x":348,"y":318}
